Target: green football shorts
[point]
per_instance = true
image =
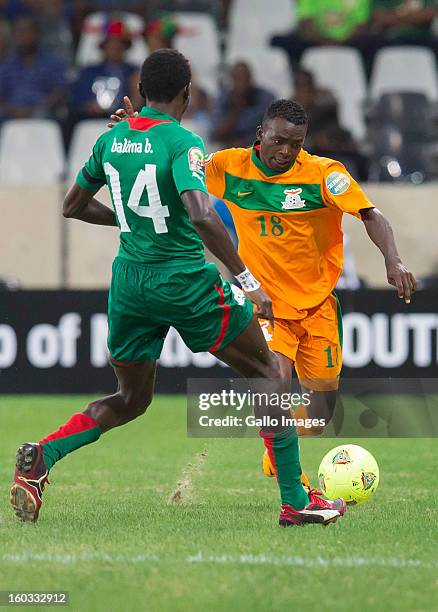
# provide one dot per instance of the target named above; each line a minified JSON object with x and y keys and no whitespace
{"x":145,"y":300}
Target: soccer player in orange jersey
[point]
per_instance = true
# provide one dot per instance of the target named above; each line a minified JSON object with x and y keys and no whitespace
{"x":287,"y":206}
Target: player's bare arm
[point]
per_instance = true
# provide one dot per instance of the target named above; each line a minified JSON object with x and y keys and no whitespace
{"x":380,"y":231}
{"x":214,"y":235}
{"x":79,"y":203}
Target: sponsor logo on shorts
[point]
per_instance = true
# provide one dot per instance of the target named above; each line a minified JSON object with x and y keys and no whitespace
{"x":266,"y":331}
{"x":337,"y":183}
{"x":238,"y":294}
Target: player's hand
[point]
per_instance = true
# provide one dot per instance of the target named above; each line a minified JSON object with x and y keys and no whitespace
{"x":123,"y":113}
{"x":263,"y":303}
{"x":402,"y":279}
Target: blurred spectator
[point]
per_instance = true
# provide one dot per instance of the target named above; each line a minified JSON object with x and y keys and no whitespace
{"x":239,"y":109}
{"x":160,"y":32}
{"x":5,"y":40}
{"x":406,"y":22}
{"x":99,"y":89}
{"x":78,"y":10}
{"x":200,"y":106}
{"x":224,"y":11}
{"x":56,"y":35}
{"x":116,"y":5}
{"x":330,"y":22}
{"x":11,"y":9}
{"x":334,"y":141}
{"x":153,"y":7}
{"x":326,"y":137}
{"x":32,"y":82}
{"x":320,"y":104}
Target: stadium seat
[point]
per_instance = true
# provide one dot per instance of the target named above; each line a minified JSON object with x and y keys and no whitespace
{"x":252,"y":25}
{"x":399,"y":157}
{"x":411,"y":112}
{"x":88,"y":49}
{"x":199,"y":42}
{"x":31,"y":152}
{"x":270,"y":68}
{"x":341,"y":70}
{"x":404,"y":69}
{"x":82,"y":142}
{"x":254,"y":22}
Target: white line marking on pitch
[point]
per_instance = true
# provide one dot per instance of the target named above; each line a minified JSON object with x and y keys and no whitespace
{"x":296,"y":561}
{"x":183,"y":491}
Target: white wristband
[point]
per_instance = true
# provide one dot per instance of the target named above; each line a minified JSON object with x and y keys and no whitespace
{"x":247,"y":281}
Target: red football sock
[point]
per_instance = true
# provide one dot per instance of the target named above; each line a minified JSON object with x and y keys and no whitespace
{"x":79,"y":430}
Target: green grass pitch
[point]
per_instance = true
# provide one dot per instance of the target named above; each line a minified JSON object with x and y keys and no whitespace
{"x":118,"y":532}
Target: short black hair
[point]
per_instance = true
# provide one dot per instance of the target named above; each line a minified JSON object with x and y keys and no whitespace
{"x":286,"y":109}
{"x":163,"y":74}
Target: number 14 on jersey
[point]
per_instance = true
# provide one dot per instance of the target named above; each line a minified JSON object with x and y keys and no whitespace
{"x":146,"y":180}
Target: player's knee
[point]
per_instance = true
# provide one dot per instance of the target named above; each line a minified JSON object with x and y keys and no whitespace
{"x":268,"y":367}
{"x":137,"y":404}
{"x":273,"y":369}
{"x":264,"y":367}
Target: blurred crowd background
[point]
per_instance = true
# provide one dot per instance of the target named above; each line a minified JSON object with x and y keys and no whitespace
{"x":365,"y":70}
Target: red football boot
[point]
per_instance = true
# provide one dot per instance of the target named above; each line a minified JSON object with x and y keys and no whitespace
{"x":318,"y":510}
{"x":30,"y":478}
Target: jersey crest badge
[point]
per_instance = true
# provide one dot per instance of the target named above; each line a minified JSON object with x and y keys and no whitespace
{"x":293,"y":199}
{"x":196,"y":160}
{"x":197,"y":163}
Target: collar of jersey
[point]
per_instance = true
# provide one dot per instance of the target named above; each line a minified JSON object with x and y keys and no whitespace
{"x":153,"y":113}
{"x":261,"y":166}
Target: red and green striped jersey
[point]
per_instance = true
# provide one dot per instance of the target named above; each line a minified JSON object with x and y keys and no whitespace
{"x":147,"y":163}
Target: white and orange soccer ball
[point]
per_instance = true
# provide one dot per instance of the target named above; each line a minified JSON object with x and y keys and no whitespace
{"x":349,"y":471}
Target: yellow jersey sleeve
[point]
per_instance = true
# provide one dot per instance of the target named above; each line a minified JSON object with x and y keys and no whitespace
{"x":215,"y":166}
{"x":339,"y":189}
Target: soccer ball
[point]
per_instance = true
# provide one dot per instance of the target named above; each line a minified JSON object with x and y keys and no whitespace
{"x":349,"y":471}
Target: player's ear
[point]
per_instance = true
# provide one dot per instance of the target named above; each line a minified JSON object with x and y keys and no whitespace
{"x":187,"y":92}
{"x":259,"y":132}
{"x":141,"y":91}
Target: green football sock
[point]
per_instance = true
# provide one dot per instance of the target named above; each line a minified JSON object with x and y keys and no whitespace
{"x":284,"y":453}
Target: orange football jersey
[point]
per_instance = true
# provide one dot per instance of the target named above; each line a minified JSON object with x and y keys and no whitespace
{"x":288,"y":224}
